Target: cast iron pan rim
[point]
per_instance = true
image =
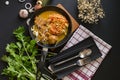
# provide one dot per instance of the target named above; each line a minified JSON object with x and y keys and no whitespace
{"x":51,"y":8}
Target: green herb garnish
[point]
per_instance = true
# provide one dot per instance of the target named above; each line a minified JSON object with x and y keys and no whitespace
{"x":21,"y":57}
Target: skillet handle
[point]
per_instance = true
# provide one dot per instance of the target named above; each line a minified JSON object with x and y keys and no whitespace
{"x":44,"y":54}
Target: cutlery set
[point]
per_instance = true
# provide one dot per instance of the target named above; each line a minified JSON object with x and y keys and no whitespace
{"x":82,"y":54}
{"x":74,"y":57}
{"x":84,"y":59}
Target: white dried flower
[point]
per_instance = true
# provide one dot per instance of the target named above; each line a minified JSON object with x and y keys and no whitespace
{"x":90,"y":10}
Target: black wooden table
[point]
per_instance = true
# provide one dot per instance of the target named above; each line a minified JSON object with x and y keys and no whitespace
{"x":107,"y":29}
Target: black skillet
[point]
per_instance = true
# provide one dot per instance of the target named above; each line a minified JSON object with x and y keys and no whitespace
{"x":48,"y":46}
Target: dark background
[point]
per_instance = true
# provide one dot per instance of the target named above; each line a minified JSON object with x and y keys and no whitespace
{"x":107,"y":29}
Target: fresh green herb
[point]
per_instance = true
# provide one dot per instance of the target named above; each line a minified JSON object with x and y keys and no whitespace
{"x":21,"y":57}
{"x":45,"y":2}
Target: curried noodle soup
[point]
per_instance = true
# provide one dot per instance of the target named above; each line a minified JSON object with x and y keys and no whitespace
{"x":50,"y":27}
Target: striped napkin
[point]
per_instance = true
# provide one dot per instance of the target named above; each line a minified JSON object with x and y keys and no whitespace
{"x":86,"y":72}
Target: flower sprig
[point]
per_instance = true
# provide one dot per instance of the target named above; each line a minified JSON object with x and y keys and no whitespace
{"x":90,"y":11}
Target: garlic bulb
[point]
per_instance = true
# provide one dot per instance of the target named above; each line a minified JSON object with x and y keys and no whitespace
{"x":23,"y":13}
